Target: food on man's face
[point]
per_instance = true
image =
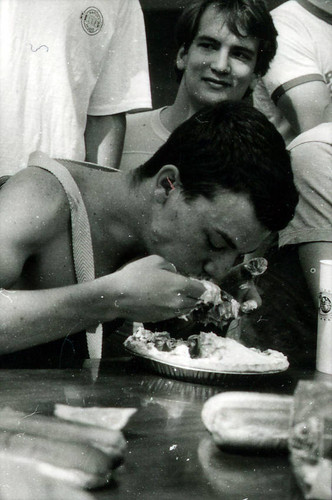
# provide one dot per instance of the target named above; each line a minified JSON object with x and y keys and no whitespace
{"x":206,"y":351}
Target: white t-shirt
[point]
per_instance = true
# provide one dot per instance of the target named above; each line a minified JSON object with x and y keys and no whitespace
{"x":304,"y":54}
{"x":311,"y":155}
{"x":145,"y":134}
{"x":60,"y":61}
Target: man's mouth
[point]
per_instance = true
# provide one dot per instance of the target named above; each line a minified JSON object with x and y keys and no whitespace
{"x":217,"y":84}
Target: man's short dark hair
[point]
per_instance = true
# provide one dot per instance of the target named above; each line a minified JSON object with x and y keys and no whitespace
{"x":244,"y":18}
{"x":231,"y":146}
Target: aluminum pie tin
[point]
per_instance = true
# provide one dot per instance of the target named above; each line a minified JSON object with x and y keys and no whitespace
{"x":198,"y":376}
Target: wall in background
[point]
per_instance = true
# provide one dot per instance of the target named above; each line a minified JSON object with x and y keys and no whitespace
{"x":179,"y":4}
{"x":160,"y":17}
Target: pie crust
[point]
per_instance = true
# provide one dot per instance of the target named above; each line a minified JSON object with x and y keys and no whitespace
{"x":215,"y":353}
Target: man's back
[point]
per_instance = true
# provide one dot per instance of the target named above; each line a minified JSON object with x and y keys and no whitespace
{"x":44,"y":248}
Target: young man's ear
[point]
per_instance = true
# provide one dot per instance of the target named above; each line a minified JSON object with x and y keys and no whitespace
{"x":167,"y":182}
{"x":181,"y":59}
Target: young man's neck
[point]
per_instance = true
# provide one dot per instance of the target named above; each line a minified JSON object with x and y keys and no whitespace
{"x":125,"y":215}
{"x":182,"y":109}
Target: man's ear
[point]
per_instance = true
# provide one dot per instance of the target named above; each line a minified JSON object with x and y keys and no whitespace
{"x":181,"y":59}
{"x":167,"y":182}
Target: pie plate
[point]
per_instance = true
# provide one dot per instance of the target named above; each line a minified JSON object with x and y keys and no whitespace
{"x":188,"y":374}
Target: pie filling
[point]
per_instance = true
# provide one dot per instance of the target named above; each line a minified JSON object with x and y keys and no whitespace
{"x":206,"y":351}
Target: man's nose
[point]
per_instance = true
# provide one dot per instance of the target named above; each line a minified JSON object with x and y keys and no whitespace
{"x":218,"y":266}
{"x":220,"y":62}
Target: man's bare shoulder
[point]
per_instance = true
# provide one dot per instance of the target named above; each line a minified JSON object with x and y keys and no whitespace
{"x":33,"y":205}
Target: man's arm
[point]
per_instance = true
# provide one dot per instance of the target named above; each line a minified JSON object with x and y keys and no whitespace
{"x":146,"y":291}
{"x":104,"y":136}
{"x":33,"y":213}
{"x":310,"y":229}
{"x":123,"y":84}
{"x":34,"y":221}
{"x":297,"y":80}
{"x":310,"y":254}
{"x":305,"y":105}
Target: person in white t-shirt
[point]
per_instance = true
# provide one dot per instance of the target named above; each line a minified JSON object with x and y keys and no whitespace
{"x":295,"y":94}
{"x":223,"y":46}
{"x":69,"y":71}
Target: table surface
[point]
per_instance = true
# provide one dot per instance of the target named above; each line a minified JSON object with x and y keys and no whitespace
{"x":169,"y":454}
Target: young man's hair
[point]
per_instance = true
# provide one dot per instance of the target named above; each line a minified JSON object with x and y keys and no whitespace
{"x":231,"y":146}
{"x":243,"y":17}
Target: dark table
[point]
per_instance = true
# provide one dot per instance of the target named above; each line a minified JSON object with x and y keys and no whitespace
{"x":170,"y":454}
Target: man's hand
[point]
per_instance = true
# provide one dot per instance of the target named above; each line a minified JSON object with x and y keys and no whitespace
{"x":150,"y":290}
{"x":239,"y":282}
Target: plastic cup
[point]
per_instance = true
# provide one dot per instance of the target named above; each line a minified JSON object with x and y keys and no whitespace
{"x":324,"y":327}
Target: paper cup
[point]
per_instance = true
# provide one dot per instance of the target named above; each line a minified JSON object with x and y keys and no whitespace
{"x":324,"y":330}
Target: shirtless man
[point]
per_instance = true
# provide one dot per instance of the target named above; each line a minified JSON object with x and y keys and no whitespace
{"x":215,"y":190}
{"x":222,"y":47}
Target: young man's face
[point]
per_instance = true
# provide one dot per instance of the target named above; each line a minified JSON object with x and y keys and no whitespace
{"x":202,"y":238}
{"x":218,"y":65}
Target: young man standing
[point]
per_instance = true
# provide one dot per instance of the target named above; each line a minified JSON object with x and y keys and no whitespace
{"x":67,"y":80}
{"x":223,"y":46}
{"x":215,"y":190}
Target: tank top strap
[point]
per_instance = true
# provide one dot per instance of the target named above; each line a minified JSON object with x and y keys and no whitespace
{"x":81,"y":235}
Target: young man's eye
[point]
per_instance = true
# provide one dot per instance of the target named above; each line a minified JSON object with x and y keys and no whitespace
{"x":243,"y":56}
{"x":206,"y":45}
